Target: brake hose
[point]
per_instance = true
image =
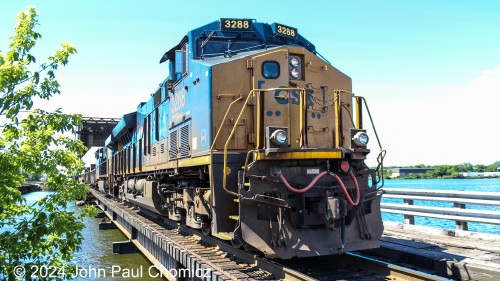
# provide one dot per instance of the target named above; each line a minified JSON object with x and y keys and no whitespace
{"x":304,"y":190}
{"x":320,"y":175}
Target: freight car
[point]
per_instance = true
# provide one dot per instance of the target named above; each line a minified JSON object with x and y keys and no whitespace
{"x":254,"y":138}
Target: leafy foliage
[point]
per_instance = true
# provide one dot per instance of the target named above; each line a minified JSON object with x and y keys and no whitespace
{"x":48,"y":232}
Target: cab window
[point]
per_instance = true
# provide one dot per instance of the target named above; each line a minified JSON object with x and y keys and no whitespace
{"x":270,"y":69}
{"x":181,"y":62}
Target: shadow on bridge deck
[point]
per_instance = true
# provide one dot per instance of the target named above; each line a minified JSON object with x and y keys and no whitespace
{"x":444,"y":253}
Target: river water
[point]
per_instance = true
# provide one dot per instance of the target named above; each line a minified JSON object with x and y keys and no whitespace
{"x":97,"y":253}
{"x":96,"y":260}
{"x":485,"y":185}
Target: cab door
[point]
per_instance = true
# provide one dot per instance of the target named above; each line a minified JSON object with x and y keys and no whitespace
{"x":272,"y":108}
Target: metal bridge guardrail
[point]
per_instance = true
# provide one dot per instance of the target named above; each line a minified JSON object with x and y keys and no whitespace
{"x":458,"y":213}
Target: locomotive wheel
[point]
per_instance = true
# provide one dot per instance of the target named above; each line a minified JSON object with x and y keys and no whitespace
{"x":206,"y":227}
{"x":235,"y":242}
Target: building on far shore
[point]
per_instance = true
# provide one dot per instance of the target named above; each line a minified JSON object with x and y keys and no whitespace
{"x":481,"y":174}
{"x":404,"y":172}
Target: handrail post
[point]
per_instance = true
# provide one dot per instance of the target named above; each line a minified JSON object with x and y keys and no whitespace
{"x":302,"y":119}
{"x":409,"y":219}
{"x":461,"y":225}
{"x":336,"y":105}
{"x":225,"y":171}
{"x":216,"y":136}
{"x":258,"y":95}
{"x":359,"y":112}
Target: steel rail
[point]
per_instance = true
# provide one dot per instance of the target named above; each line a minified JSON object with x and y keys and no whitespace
{"x":396,"y":272}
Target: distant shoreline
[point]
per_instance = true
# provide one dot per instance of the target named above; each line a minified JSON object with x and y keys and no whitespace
{"x":30,"y":187}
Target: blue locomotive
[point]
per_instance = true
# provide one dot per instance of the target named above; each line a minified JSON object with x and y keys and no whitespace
{"x":253,"y":138}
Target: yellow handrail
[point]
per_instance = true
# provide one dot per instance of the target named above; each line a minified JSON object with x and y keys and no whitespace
{"x":336,"y":106}
{"x":222,"y":123}
{"x":251,"y":94}
{"x":302,"y":108}
{"x":215,"y":140}
{"x":359,"y":112}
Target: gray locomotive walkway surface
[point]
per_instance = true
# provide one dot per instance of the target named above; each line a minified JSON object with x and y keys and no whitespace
{"x":453,"y":254}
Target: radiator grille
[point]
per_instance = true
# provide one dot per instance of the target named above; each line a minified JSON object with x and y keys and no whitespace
{"x":172,"y":150}
{"x":184,"y":141}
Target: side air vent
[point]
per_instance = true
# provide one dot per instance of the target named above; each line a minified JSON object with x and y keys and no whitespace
{"x":184,"y":141}
{"x":154,"y":151}
{"x":126,"y":137}
{"x":162,"y":148}
{"x":172,"y":150}
{"x":157,"y":97}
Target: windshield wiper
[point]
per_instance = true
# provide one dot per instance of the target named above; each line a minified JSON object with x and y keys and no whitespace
{"x":206,"y":40}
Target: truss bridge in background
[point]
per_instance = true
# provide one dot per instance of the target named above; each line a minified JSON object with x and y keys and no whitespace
{"x":95,"y":130}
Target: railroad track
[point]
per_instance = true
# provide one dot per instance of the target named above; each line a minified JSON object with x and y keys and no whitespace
{"x":229,"y":263}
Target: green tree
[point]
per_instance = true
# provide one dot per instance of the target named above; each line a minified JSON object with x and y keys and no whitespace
{"x":479,"y":168}
{"x":48,"y":232}
{"x":466,"y":167}
{"x":493,"y":167}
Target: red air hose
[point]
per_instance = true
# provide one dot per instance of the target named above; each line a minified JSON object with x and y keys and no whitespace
{"x":307,"y":187}
{"x":344,"y":189}
{"x":322,"y":174}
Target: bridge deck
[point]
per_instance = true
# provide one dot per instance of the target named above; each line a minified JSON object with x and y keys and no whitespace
{"x":459,"y":255}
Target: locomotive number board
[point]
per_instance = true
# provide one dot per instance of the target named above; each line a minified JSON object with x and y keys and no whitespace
{"x":235,"y":24}
{"x":285,"y":31}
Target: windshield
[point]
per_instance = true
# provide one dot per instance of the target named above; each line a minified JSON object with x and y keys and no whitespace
{"x":212,"y":47}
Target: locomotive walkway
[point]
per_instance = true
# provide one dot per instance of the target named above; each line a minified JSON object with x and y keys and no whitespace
{"x":406,"y":253}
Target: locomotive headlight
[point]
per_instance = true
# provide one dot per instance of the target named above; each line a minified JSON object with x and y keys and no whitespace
{"x":360,"y":139}
{"x":295,"y":67}
{"x":295,"y":73}
{"x":279,"y":137}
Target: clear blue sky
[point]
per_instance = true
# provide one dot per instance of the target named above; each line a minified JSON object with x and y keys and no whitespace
{"x":430,"y":70}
